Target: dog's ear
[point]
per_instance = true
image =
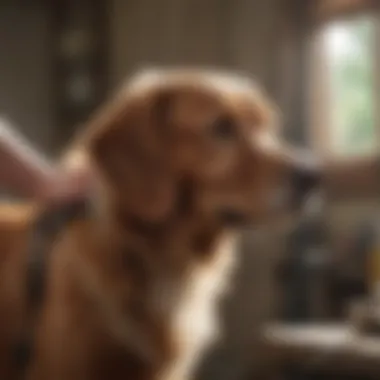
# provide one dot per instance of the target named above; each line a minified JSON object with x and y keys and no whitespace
{"x":130,"y":146}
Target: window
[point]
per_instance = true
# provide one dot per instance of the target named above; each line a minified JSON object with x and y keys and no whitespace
{"x":345,"y":88}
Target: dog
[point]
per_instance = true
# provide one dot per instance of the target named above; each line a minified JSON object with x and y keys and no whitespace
{"x":182,"y":161}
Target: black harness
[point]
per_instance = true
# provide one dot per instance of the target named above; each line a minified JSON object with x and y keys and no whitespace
{"x":45,"y":230}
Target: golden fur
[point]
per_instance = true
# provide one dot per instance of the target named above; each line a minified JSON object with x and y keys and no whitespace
{"x":132,"y":287}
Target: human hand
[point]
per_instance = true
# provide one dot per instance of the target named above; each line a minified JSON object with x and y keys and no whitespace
{"x":65,"y":186}
{"x":69,"y":182}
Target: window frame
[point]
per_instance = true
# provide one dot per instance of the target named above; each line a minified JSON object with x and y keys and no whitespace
{"x":331,"y":10}
{"x":347,"y":177}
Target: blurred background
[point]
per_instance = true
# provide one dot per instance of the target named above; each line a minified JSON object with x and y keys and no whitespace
{"x":320,"y":61}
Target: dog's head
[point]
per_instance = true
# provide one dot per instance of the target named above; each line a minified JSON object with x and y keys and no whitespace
{"x":201,"y":141}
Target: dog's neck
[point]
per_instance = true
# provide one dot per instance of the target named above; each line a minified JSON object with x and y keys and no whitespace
{"x":180,"y":235}
{"x":183,"y":230}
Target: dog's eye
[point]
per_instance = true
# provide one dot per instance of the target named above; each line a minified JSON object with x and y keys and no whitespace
{"x":224,"y":129}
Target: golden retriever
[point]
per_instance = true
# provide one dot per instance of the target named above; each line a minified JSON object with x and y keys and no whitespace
{"x":182,"y":160}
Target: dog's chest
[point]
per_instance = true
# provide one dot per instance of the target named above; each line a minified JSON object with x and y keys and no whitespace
{"x":190,"y":306}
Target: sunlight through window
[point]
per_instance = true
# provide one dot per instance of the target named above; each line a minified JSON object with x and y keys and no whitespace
{"x":348,"y":49}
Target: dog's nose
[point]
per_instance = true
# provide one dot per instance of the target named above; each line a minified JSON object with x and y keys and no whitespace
{"x":305,"y":178}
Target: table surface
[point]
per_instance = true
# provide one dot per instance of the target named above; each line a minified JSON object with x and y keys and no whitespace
{"x":323,"y":346}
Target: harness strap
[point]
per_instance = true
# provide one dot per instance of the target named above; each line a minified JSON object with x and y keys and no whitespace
{"x":45,"y":230}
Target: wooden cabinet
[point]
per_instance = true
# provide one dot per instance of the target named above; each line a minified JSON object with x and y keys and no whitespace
{"x":79,"y":52}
